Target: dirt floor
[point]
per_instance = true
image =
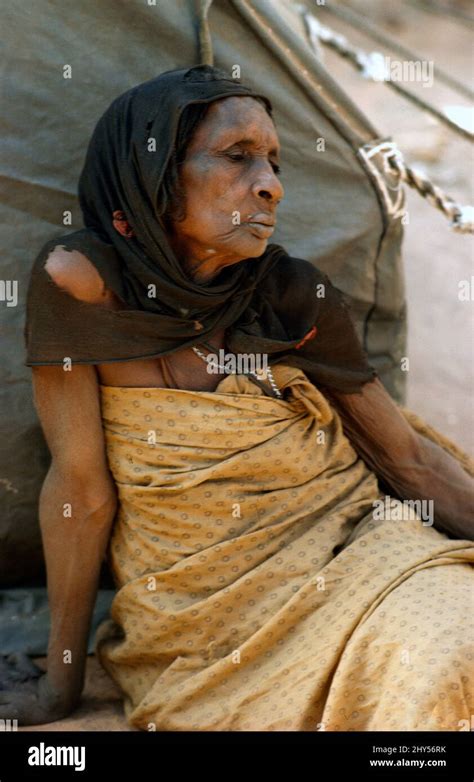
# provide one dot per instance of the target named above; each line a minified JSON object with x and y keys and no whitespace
{"x":440,"y":348}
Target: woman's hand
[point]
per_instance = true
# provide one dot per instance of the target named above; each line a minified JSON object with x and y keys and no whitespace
{"x":26,"y":693}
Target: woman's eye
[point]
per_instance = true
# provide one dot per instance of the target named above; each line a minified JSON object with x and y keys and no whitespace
{"x":238,"y":156}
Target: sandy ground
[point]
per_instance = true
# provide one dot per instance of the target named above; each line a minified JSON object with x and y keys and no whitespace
{"x":440,"y":348}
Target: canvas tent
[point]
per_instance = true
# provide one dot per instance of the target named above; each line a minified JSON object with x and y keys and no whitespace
{"x":341,"y":209}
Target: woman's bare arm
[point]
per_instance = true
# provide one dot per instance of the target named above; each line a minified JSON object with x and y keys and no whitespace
{"x":414,"y":466}
{"x":76,"y":509}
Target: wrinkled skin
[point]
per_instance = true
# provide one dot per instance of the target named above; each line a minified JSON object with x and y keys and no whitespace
{"x":219,"y":176}
{"x":223,"y":175}
{"x":26,"y":694}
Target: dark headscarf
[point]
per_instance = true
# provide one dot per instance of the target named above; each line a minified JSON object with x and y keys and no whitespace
{"x":268,"y":304}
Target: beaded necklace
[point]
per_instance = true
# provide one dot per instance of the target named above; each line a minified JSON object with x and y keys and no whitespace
{"x":254,"y":376}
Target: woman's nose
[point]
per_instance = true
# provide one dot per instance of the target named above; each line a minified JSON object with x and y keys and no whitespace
{"x":267,"y":185}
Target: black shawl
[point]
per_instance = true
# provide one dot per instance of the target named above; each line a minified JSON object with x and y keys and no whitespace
{"x":268,"y":304}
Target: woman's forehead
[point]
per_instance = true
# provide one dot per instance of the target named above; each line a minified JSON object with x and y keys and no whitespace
{"x":235,"y":118}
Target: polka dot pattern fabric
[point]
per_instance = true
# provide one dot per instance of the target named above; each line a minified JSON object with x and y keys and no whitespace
{"x":255,"y":588}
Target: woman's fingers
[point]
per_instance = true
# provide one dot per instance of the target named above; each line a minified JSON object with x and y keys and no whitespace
{"x":14,"y":669}
{"x":11,"y":705}
{"x":8,"y":674}
{"x":24,"y":665}
{"x":26,"y":704}
{"x":17,"y":668}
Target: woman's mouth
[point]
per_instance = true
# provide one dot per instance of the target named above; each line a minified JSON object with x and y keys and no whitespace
{"x":262,"y":230}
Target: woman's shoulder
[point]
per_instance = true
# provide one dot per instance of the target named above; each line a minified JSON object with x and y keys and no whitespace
{"x":72,"y":271}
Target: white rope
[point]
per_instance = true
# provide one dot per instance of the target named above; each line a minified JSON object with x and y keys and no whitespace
{"x":373,"y":66}
{"x":370,"y":30}
{"x":461,"y":217}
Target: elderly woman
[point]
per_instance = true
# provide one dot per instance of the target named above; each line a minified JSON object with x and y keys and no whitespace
{"x":270,"y":574}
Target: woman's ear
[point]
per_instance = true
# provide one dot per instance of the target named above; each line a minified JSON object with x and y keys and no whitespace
{"x":121,"y":224}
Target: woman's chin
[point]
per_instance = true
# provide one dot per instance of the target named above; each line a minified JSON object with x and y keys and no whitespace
{"x":254,"y":247}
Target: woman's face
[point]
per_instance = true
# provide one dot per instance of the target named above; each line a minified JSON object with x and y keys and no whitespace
{"x":231,"y":188}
